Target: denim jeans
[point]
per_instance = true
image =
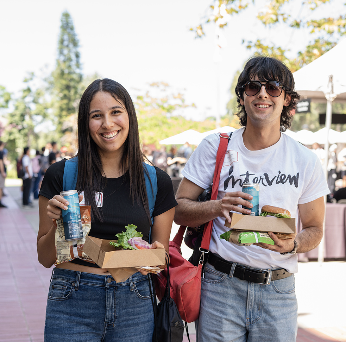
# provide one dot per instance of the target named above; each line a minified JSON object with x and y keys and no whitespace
{"x":237,"y":310}
{"x":87,"y":307}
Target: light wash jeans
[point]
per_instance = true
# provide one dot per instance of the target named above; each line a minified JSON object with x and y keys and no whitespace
{"x":85,"y":307}
{"x":238,"y":311}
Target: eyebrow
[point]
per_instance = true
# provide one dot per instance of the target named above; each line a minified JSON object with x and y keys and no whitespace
{"x":97,"y":110}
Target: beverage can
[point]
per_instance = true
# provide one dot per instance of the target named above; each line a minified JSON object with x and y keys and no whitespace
{"x":73,"y":228}
{"x":253,"y":190}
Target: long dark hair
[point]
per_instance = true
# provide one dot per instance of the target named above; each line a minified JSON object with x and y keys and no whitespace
{"x":90,"y":170}
{"x":268,"y":68}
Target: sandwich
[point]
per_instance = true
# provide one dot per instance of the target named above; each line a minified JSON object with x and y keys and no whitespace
{"x":268,"y":210}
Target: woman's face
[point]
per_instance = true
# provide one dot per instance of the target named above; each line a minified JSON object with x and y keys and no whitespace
{"x":108,"y":123}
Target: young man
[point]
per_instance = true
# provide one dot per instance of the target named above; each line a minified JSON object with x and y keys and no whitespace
{"x":263,"y":307}
{"x":2,"y":173}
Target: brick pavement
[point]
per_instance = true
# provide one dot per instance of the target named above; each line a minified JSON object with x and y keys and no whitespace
{"x":24,"y":282}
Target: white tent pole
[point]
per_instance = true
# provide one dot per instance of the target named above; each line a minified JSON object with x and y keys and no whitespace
{"x":330,"y":97}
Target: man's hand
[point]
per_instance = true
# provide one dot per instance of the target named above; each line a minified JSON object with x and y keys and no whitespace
{"x":231,"y":202}
{"x":281,"y":245}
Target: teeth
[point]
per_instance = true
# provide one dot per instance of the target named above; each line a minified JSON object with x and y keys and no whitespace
{"x":110,"y":135}
{"x":263,"y":106}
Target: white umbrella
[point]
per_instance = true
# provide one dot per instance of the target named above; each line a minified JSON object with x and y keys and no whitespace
{"x":305,"y":137}
{"x":224,"y":129}
{"x":342,"y":137}
{"x":321,"y":136}
{"x":291,"y":134}
{"x":324,"y":79}
{"x":191,"y":136}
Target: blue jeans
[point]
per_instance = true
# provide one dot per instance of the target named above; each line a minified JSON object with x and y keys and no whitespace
{"x":237,"y":310}
{"x":89,"y":307}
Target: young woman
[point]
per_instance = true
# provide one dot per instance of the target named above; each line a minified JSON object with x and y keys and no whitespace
{"x":84,"y":302}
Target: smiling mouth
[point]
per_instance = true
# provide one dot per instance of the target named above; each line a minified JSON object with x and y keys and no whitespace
{"x":262,"y":106}
{"x":109,"y":135}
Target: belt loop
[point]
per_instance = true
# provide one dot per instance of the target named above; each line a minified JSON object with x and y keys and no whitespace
{"x":231,"y":272}
{"x":269,"y":277}
{"x":77,"y":280}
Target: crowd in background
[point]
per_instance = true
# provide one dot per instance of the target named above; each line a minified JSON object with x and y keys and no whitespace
{"x":35,"y":163}
{"x":31,"y":166}
{"x":171,"y":162}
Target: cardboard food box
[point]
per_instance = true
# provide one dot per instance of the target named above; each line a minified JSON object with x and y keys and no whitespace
{"x":262,"y":224}
{"x":121,"y":263}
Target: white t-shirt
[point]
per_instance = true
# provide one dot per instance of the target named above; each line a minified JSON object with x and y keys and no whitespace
{"x":26,"y":161}
{"x":288,"y":174}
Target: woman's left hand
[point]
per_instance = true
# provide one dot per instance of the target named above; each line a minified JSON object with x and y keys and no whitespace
{"x":154,"y":245}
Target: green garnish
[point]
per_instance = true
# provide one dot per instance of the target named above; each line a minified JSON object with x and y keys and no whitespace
{"x":125,"y":236}
{"x":276,"y":215}
{"x":225,"y":235}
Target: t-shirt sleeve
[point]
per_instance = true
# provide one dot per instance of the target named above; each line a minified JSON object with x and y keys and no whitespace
{"x":52,"y":183}
{"x":316,"y":186}
{"x":165,"y":199}
{"x":201,"y":165}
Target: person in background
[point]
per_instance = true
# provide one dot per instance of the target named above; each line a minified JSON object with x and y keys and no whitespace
{"x":52,"y":154}
{"x":27,"y":180}
{"x":320,"y":153}
{"x":331,"y":167}
{"x":160,"y":158}
{"x":248,"y":292}
{"x":341,"y":159}
{"x":173,"y":165}
{"x":2,"y":173}
{"x":36,"y":169}
{"x":84,"y":302}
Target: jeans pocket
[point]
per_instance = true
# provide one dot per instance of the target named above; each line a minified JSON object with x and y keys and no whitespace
{"x":213,"y":276}
{"x":141,"y":289}
{"x":60,"y":288}
{"x":286,"y":285}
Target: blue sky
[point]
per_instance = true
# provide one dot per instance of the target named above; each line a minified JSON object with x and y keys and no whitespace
{"x":133,"y":42}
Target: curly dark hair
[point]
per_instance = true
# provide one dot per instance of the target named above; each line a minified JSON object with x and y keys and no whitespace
{"x":268,"y":68}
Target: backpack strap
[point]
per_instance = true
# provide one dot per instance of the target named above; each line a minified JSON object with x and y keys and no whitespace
{"x":151,"y":185}
{"x":70,"y":174}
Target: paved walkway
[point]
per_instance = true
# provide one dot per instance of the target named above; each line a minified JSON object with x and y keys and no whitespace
{"x":24,"y":284}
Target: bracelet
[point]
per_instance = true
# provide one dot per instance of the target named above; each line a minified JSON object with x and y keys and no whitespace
{"x":293,"y":251}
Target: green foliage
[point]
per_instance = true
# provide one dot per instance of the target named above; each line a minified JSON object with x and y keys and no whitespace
{"x":159,"y":112}
{"x":324,"y":32}
{"x":5,"y":97}
{"x":30,"y":109}
{"x":67,"y":77}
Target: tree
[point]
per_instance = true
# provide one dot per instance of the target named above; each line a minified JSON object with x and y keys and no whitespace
{"x":292,"y":16}
{"x":67,"y":77}
{"x":159,"y":111}
{"x":29,"y":110}
{"x":5,"y":98}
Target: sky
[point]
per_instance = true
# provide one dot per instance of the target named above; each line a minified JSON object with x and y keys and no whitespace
{"x":135,"y":42}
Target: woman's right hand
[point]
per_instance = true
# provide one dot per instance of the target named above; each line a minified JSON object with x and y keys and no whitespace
{"x":56,"y":204}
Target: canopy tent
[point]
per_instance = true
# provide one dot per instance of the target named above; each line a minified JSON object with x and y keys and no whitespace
{"x":224,"y":129}
{"x":324,"y":80}
{"x":191,"y":136}
{"x":305,"y":137}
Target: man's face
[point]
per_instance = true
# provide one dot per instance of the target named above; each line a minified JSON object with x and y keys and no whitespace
{"x":263,"y":109}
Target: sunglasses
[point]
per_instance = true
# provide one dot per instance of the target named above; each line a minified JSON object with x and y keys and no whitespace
{"x":273,"y":88}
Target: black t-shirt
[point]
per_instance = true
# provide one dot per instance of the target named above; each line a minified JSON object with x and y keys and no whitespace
{"x":118,"y":210}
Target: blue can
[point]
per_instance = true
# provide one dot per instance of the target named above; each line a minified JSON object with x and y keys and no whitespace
{"x":71,"y":217}
{"x":253,"y":190}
